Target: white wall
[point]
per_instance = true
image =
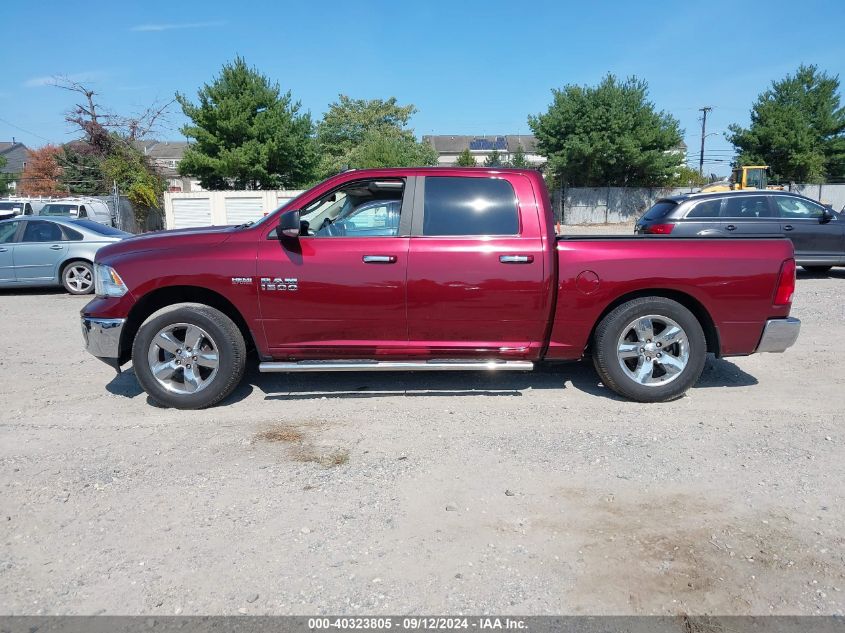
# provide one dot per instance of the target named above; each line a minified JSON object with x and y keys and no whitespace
{"x":199,"y":208}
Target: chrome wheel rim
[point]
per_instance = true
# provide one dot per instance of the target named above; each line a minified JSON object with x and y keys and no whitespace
{"x":653,"y":350}
{"x":183,"y":358}
{"x":79,"y":278}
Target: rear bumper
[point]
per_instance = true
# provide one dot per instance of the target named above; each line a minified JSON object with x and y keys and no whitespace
{"x":102,"y":338}
{"x":779,"y":335}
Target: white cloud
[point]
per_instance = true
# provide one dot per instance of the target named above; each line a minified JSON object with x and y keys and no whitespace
{"x":38,"y":82}
{"x":172,"y":26}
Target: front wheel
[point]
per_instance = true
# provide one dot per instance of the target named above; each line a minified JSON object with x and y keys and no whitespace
{"x":189,"y":356}
{"x":650,"y":349}
{"x":78,"y":278}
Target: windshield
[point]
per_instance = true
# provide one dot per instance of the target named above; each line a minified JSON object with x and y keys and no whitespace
{"x":101,"y":229}
{"x":58,"y":209}
{"x":17,"y":207}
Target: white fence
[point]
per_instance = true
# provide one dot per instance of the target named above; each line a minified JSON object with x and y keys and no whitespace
{"x":202,"y":208}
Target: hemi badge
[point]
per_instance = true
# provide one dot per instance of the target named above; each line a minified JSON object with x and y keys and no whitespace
{"x":242,"y":281}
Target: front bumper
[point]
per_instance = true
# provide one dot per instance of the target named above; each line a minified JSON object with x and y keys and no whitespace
{"x":779,"y":335}
{"x":102,"y":338}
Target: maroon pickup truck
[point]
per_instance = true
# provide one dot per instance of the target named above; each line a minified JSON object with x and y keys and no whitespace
{"x":431,"y":269}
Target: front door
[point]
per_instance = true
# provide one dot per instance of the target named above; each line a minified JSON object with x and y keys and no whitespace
{"x":476,"y":278}
{"x":338,"y":291}
{"x":39,"y":251}
{"x":813,"y":240}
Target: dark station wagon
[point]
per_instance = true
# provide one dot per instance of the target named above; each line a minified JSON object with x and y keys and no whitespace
{"x":817,"y":232}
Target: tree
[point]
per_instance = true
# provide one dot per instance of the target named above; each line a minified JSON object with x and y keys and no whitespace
{"x":350,"y":124}
{"x":607,"y":135}
{"x":493,"y":160}
{"x":4,"y":178}
{"x":466,"y":159}
{"x":518,"y":160}
{"x":248,"y":134}
{"x":42,"y":173}
{"x":688,"y":177}
{"x":797,"y":128}
{"x":390,"y":149}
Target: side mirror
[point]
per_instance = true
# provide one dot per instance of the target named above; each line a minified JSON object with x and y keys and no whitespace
{"x":827,"y":216}
{"x":289,"y":225}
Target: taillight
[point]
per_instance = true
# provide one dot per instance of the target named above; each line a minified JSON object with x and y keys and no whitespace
{"x":786,"y":284}
{"x":659,"y":229}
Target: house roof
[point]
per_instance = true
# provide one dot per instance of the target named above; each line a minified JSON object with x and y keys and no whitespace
{"x":455,"y":143}
{"x":164,"y":150}
{"x":16,"y":155}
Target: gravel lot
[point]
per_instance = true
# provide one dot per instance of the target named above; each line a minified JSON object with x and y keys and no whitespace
{"x":382,"y":493}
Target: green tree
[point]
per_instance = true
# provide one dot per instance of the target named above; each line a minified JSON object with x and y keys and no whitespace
{"x":4,"y":178}
{"x":518,"y":160}
{"x":248,"y":135}
{"x":466,"y":159}
{"x":493,"y":160}
{"x":797,"y":128}
{"x":135,"y":177}
{"x":379,"y":124}
{"x":81,"y":170}
{"x":688,"y":177}
{"x":380,"y":148}
{"x":605,"y":135}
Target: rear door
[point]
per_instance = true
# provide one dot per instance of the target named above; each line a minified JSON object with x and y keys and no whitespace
{"x":8,"y":230}
{"x":744,"y":215}
{"x":41,"y":248}
{"x":476,"y":279}
{"x":800,"y":221}
{"x":702,"y":217}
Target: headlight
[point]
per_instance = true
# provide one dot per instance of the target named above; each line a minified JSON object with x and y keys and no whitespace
{"x":107,"y":283}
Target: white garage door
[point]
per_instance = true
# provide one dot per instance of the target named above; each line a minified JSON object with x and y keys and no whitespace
{"x":189,"y":212}
{"x":240,"y":210}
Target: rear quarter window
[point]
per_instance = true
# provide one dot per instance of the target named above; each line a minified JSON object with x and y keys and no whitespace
{"x":660,"y":210}
{"x":706,"y":209}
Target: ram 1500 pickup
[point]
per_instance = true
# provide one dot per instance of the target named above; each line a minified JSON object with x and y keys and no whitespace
{"x":430,"y":269}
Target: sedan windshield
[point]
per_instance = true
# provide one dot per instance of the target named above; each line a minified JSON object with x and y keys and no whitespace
{"x":58,"y":209}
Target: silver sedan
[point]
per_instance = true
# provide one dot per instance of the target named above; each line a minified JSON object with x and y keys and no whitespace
{"x":52,"y":252}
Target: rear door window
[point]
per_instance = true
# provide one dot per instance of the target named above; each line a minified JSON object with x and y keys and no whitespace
{"x":40,"y":231}
{"x":747,"y":207}
{"x":469,"y":206}
{"x":706,"y":209}
{"x":660,"y":210}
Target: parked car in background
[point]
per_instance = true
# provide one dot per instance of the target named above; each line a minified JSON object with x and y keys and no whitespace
{"x":817,"y":232}
{"x":15,"y":206}
{"x":37,"y":251}
{"x":80,"y":208}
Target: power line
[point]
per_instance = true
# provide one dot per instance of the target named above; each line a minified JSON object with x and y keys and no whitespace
{"x":17,"y":127}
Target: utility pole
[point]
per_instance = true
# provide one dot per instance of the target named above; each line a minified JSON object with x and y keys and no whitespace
{"x":704,"y":112}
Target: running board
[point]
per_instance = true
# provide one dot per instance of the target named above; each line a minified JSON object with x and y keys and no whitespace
{"x":400,"y":365}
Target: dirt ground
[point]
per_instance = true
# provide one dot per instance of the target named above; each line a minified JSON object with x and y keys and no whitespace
{"x":538,"y":493}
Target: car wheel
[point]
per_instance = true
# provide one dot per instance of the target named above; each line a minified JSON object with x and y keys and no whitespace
{"x":650,"y":349}
{"x":189,"y":356}
{"x":817,"y":270}
{"x":78,"y":278}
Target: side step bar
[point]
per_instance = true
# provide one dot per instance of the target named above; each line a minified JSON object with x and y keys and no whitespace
{"x":399,"y":365}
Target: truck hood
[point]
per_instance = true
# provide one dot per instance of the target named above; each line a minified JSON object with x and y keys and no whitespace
{"x":162,"y":240}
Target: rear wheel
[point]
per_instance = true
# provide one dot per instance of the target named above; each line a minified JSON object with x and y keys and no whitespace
{"x":817,"y":270}
{"x":78,"y":278}
{"x":650,"y":349}
{"x":189,"y":356}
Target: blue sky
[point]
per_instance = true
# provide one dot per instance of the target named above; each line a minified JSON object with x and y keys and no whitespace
{"x":470,"y":66}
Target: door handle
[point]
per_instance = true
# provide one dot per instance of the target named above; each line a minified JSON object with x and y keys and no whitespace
{"x":3,"y":250}
{"x":788,"y":227}
{"x":56,"y":247}
{"x":731,"y":227}
{"x":379,"y":259}
{"x":516,"y":259}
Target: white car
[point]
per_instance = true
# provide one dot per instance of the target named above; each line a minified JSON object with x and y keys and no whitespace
{"x":81,"y":209}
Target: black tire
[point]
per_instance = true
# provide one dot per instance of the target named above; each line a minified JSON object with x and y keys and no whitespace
{"x":73,"y":277}
{"x":817,"y":270}
{"x":222,"y":335}
{"x":607,"y":340}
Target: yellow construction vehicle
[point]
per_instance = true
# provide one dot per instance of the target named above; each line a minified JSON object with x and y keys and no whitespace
{"x":745,"y":177}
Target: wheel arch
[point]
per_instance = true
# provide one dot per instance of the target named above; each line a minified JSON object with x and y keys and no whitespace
{"x":171,"y":295}
{"x":711,"y":332}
